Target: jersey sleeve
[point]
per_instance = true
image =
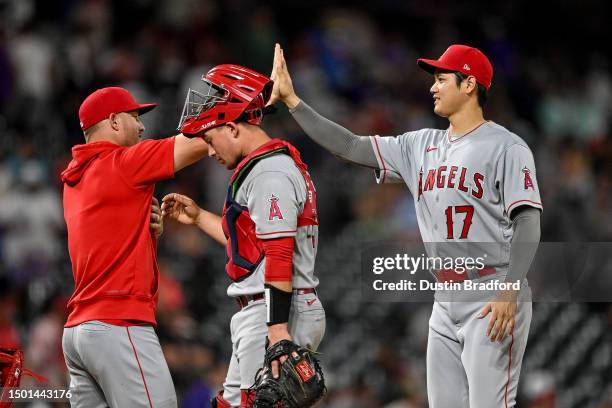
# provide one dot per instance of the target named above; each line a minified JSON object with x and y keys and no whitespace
{"x":148,"y":161}
{"x":516,"y":176}
{"x":394,"y":157}
{"x":273,"y":205}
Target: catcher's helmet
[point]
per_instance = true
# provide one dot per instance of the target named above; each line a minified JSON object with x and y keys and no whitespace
{"x":231,"y":93}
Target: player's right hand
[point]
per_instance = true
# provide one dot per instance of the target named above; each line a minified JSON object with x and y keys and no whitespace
{"x":276,"y":333}
{"x":180,"y":208}
{"x":283,"y":87}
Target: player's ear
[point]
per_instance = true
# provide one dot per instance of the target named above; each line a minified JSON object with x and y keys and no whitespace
{"x":233,"y":128}
{"x":470,"y":84}
{"x":114,"y":121}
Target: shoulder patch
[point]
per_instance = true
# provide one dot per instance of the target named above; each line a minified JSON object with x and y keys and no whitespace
{"x":275,"y":211}
{"x":528,"y":183}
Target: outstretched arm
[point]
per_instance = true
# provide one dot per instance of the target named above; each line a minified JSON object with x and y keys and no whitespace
{"x":331,"y":136}
{"x":188,"y":151}
{"x":184,"y":210}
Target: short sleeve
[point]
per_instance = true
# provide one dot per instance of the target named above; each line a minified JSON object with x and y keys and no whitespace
{"x":273,"y":205}
{"x":517,"y":179}
{"x":148,"y":161}
{"x":394,"y":157}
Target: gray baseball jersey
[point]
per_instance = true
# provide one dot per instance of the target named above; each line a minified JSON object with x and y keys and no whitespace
{"x":465,"y":189}
{"x":275,"y":192}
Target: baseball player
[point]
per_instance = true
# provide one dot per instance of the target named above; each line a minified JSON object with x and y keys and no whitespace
{"x":473,"y":182}
{"x":110,"y":346}
{"x":269,"y":224}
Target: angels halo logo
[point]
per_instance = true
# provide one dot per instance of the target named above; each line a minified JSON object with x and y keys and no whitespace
{"x":528,"y":182}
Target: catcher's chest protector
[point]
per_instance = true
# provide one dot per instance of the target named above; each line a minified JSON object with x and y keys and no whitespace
{"x":244,"y":251}
{"x":11,"y":370}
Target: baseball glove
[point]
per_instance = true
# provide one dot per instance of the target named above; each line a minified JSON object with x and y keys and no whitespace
{"x":300,"y":382}
{"x":11,"y":370}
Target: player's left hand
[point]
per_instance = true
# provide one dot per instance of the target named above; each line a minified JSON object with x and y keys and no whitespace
{"x":276,"y":333}
{"x":503,"y":312}
{"x":283,"y":86}
{"x":156,"y":221}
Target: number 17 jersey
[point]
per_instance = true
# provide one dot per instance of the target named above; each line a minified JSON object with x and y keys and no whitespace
{"x":464,"y":189}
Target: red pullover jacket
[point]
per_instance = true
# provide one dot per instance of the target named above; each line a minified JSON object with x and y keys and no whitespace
{"x":107,"y":204}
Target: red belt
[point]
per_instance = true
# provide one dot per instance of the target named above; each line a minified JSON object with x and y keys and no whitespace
{"x":450,"y":275}
{"x":244,"y":300}
{"x":304,"y":291}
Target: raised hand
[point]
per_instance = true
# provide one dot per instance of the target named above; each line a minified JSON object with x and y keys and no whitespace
{"x":283,"y":87}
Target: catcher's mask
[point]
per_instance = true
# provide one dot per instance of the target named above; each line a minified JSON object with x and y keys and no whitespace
{"x":230,"y":93}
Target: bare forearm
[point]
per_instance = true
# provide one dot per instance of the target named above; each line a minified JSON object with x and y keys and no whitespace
{"x":282,"y":285}
{"x":188,"y":151}
{"x":210,"y":224}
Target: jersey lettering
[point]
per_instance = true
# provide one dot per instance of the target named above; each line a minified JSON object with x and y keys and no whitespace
{"x":478,"y":178}
{"x":420,"y":183}
{"x":437,"y":178}
{"x":429,"y":183}
{"x":462,"y":186}
{"x":441,"y":177}
{"x":451,"y":176}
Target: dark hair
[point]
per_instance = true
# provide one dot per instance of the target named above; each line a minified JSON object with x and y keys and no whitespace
{"x":483,"y":94}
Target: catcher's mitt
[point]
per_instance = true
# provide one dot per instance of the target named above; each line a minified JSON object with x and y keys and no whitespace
{"x":300,"y":381}
{"x":11,"y":370}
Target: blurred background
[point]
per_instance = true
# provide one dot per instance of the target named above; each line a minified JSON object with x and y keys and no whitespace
{"x":356,"y":63}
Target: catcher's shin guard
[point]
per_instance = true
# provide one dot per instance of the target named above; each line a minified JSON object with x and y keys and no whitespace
{"x":219,"y":402}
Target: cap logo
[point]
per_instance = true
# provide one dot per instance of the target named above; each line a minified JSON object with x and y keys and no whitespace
{"x":207,"y":125}
{"x":466,"y":67}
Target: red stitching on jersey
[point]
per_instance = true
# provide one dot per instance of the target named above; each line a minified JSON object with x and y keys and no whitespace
{"x":462,"y":136}
{"x":520,"y":201}
{"x":384,"y":169}
{"x":276,"y":232}
{"x":509,"y":366}
{"x":139,"y":366}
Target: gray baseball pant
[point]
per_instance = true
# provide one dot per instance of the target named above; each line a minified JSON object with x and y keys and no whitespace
{"x":116,"y":366}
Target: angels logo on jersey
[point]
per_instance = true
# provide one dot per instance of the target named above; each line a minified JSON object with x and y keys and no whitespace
{"x":528,"y":181}
{"x":453,"y":177}
{"x":275,"y":211}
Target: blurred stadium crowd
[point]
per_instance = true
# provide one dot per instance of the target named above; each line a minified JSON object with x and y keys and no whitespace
{"x":357,"y":65}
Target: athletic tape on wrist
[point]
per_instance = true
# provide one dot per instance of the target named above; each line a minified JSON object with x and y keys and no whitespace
{"x":278,"y":304}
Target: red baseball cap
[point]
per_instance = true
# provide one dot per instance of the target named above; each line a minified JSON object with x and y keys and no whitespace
{"x":100,"y":104}
{"x":464,"y":59}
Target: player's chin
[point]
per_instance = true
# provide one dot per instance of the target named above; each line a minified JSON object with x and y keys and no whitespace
{"x":438,"y":110}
